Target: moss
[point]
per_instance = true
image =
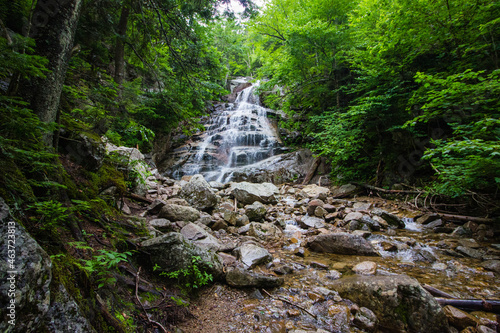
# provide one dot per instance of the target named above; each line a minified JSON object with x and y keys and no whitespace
{"x":13,"y":183}
{"x":403,"y":313}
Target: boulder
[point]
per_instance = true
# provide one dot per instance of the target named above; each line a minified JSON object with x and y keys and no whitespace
{"x":83,"y":149}
{"x":156,"y":207}
{"x":492,"y":265}
{"x":36,"y":310}
{"x":311,"y":222}
{"x":365,"y":319}
{"x":314,"y":191}
{"x":342,"y":243}
{"x":365,"y":268}
{"x":252,"y":255}
{"x":392,"y":220}
{"x":469,"y":252}
{"x":248,"y":193}
{"x":175,"y":212}
{"x":256,"y":211}
{"x":161,"y":224}
{"x":313,"y":204}
{"x":199,"y":193}
{"x":239,"y":277}
{"x":459,"y":319}
{"x":399,"y":302}
{"x":200,"y":237}
{"x":172,"y":252}
{"x":264,"y":231}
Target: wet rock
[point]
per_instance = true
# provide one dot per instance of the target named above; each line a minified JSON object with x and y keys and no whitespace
{"x":252,"y":255}
{"x":248,"y":193}
{"x":484,"y":329}
{"x":344,"y":191}
{"x":333,"y":275}
{"x":469,"y":252}
{"x":425,"y":255}
{"x":341,"y":316}
{"x":314,"y":191}
{"x":174,"y":212}
{"x":217,"y":185}
{"x":365,"y":268}
{"x":219,"y":225}
{"x":458,"y":318}
{"x":342,"y":243}
{"x":200,"y":237}
{"x":365,"y":319}
{"x":199,"y":193}
{"x":392,"y":220}
{"x":353,"y":216}
{"x":239,"y":277}
{"x":256,"y":211}
{"x":156,"y":207}
{"x":399,"y":302}
{"x":361,"y":206}
{"x":264,"y":231}
{"x":492,"y":265}
{"x":363,"y":233}
{"x":311,"y":222}
{"x":172,"y":252}
{"x":389,"y":247}
{"x":427,"y":218}
{"x":242,"y":220}
{"x":330,"y":208}
{"x":434,"y":224}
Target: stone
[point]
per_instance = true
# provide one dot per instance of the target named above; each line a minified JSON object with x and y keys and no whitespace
{"x":388,"y":246}
{"x":311,"y":222}
{"x":199,"y":193}
{"x":365,"y":268}
{"x":469,"y":252}
{"x":342,"y":243}
{"x":173,"y":252}
{"x":314,"y":191}
{"x":484,"y":329}
{"x":427,"y":218}
{"x":361,"y":206}
{"x":344,"y":191}
{"x":219,"y":225}
{"x":256,"y":211}
{"x":161,"y":224}
{"x":200,"y":237}
{"x":353,"y":216}
{"x":64,"y":315}
{"x":313,"y":204}
{"x":252,"y":255}
{"x":458,"y":318}
{"x":399,"y":302}
{"x":248,"y":193}
{"x":239,"y":277}
{"x":492,"y":265}
{"x":365,"y":319}
{"x":82,"y":149}
{"x":434,"y":224}
{"x":320,"y":212}
{"x":341,"y":318}
{"x":175,"y":212}
{"x":472,"y":243}
{"x":264,"y":231}
{"x":230,"y":217}
{"x":333,"y":275}
{"x":32,"y":287}
{"x":392,"y":220}
{"x":156,"y":207}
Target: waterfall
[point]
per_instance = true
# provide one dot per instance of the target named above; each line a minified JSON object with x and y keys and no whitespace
{"x":239,"y":135}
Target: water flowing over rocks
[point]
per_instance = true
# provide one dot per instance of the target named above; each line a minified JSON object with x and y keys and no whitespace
{"x":399,"y":302}
{"x":328,"y":275}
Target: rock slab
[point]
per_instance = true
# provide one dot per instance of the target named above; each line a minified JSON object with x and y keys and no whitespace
{"x":342,"y":243}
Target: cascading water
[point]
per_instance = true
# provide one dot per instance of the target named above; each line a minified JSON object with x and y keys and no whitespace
{"x":240,"y":135}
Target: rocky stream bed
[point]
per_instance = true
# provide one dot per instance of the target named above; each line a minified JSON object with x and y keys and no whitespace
{"x":305,"y":258}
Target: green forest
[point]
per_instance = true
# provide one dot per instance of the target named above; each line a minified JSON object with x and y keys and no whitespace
{"x":387,"y":91}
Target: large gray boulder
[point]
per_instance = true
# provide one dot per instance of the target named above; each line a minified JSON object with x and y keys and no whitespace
{"x":342,"y":243}
{"x":399,"y":302}
{"x":172,"y":252}
{"x":248,"y":193}
{"x":199,"y":193}
{"x":36,"y":310}
{"x":264,"y":231}
{"x":239,"y":277}
{"x":175,"y":212}
{"x":311,"y":222}
{"x":201,"y":237}
{"x":252,"y":255}
{"x":256,"y":211}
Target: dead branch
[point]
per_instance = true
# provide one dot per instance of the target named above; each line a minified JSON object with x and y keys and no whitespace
{"x":467,"y":218}
{"x":383,"y":190}
{"x":472,"y":304}
{"x":138,"y":197}
{"x":436,"y":292}
{"x":288,"y":302}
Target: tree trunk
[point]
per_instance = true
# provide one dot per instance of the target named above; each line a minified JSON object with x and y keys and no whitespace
{"x":120,"y":45}
{"x":53,"y":27}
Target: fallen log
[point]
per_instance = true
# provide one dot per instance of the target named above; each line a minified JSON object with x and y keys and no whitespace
{"x":138,"y":197}
{"x":383,"y":190}
{"x":471,"y":304}
{"x":436,"y":292}
{"x":466,"y":218}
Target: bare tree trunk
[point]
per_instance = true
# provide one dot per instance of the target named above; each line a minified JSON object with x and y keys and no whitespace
{"x":53,"y":27}
{"x":120,"y":44}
